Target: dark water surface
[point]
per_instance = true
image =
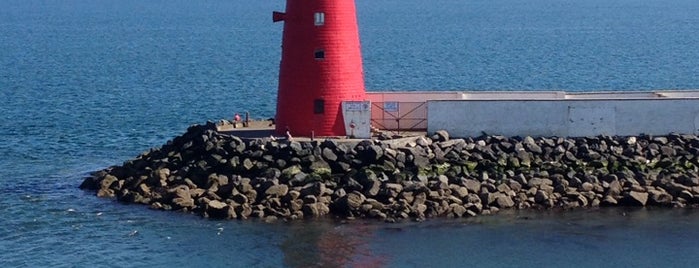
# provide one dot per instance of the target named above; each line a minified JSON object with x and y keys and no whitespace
{"x":85,"y":84}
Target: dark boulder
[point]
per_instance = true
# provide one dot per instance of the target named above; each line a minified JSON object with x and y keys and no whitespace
{"x":635,"y":198}
{"x":440,"y":136}
{"x":349,"y":203}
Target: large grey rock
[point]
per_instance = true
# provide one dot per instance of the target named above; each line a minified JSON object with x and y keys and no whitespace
{"x":277,"y":190}
{"x":533,"y":147}
{"x":162,"y":173}
{"x":355,"y":199}
{"x":503,"y":188}
{"x":609,"y":200}
{"x":393,"y":189}
{"x":217,"y":180}
{"x":538,"y":182}
{"x":688,"y":180}
{"x":320,"y":167}
{"x":441,"y":135}
{"x":634,"y":198}
{"x":243,"y":211}
{"x":375,"y":152}
{"x":505,"y":201}
{"x":586,"y":187}
{"x":668,"y":151}
{"x":659,"y":198}
{"x":458,"y":210}
{"x":329,"y":155}
{"x":296,"y":148}
{"x":687,"y":195}
{"x":489,"y":198}
{"x":419,"y":198}
{"x":541,"y":197}
{"x":217,"y":209}
{"x":423,"y":142}
{"x":473,"y":186}
{"x":108,"y":181}
{"x":183,"y":202}
{"x":372,"y":186}
{"x":314,"y":189}
{"x":420,"y":209}
{"x":248,"y":164}
{"x":311,"y":210}
{"x":459,"y":191}
{"x":614,"y":188}
{"x":349,"y":203}
{"x":91,"y":182}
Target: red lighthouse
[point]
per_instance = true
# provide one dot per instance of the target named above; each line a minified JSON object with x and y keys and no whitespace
{"x":321,"y":66}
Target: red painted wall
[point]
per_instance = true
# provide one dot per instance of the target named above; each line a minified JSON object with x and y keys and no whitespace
{"x":304,"y":79}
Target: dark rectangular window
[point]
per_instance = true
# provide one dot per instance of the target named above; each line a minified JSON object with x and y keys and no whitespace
{"x":320,"y":54}
{"x":318,"y":106}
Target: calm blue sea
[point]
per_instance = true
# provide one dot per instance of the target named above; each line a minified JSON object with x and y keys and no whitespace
{"x":85,"y":84}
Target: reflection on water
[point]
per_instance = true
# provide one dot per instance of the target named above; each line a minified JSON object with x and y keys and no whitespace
{"x":327,"y":244}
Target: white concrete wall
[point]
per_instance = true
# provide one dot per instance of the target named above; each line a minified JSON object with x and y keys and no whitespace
{"x":564,"y":117}
{"x":420,"y":96}
{"x":512,"y":95}
{"x":412,"y":96}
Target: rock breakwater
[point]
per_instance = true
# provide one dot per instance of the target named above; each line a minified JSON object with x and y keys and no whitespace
{"x":222,"y":176}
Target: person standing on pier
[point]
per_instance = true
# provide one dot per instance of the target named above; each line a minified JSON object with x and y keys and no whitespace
{"x":236,"y":120}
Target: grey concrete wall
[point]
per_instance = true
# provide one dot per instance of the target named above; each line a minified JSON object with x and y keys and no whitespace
{"x":564,"y":118}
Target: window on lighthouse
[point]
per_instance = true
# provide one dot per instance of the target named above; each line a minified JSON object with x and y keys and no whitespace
{"x":319,"y":18}
{"x":319,"y":54}
{"x":318,"y":106}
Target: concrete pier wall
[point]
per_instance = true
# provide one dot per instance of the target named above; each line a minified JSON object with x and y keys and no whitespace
{"x":412,"y":96}
{"x":567,"y":116}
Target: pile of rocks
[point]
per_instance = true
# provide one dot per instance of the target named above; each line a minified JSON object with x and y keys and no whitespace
{"x":222,"y":176}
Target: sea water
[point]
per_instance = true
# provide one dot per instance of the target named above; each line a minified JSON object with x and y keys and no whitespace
{"x":85,"y":84}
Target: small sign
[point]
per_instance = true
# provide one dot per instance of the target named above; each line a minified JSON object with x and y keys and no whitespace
{"x":390,"y":106}
{"x":356,"y":106}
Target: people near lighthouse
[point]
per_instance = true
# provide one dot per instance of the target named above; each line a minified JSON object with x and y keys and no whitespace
{"x":236,"y":120}
{"x":288,"y":134}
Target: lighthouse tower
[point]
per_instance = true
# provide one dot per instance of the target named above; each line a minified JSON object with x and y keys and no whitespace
{"x":321,"y":66}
